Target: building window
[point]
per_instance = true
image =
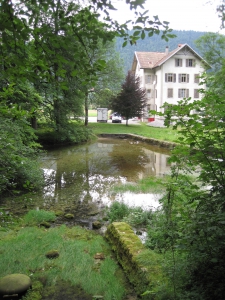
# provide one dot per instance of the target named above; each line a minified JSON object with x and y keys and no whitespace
{"x":183,"y":77}
{"x":196,"y":78}
{"x":183,"y":93}
{"x":169,"y":93}
{"x":149,"y":93}
{"x":178,"y":62}
{"x":170,"y":77}
{"x":150,"y":79}
{"x":190,"y":62}
{"x":196,"y":93}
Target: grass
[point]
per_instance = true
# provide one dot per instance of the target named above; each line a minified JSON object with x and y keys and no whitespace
{"x":165,"y":134}
{"x":23,"y":251}
{"x":145,"y":185}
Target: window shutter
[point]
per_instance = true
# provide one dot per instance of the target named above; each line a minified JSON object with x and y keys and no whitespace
{"x":187,"y":77}
{"x":196,"y":93}
{"x":187,"y":60}
{"x":174,"y":77}
{"x":179,"y":77}
{"x":155,"y":78}
{"x":146,"y":79}
{"x":196,"y":80}
{"x":187,"y":93}
{"x":170,"y":93}
{"x":179,"y":92}
{"x":166,"y":80}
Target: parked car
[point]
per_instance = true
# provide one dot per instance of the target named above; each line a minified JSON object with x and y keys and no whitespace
{"x":116,"y":118}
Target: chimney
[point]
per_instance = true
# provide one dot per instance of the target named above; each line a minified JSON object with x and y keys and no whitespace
{"x":167,"y":50}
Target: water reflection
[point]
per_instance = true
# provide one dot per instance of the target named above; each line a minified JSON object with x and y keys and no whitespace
{"x":83,"y":176}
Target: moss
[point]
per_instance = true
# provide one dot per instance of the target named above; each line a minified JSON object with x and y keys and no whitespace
{"x":36,"y":292}
{"x":141,"y":265}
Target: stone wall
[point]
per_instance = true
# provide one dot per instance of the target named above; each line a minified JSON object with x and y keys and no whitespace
{"x":164,"y":144}
{"x":141,"y":265}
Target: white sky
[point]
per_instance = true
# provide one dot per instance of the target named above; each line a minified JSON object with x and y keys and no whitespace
{"x":197,"y":15}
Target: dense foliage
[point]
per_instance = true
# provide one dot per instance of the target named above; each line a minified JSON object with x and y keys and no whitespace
{"x":191,"y":223}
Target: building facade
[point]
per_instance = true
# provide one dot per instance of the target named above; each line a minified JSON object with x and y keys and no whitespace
{"x":169,"y":76}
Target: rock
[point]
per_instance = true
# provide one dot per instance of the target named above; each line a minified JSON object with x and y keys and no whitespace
{"x":99,"y":256}
{"x":69,"y":216}
{"x":59,"y":213}
{"x":45,"y":224}
{"x":96,"y":224}
{"x":52,"y":254}
{"x":14,"y":284}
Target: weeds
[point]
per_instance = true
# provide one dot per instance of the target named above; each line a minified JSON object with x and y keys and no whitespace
{"x":135,"y":216}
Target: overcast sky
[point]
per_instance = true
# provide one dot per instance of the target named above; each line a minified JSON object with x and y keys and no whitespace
{"x":197,"y":15}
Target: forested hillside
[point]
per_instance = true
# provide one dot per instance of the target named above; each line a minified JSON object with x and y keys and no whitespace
{"x":155,"y":43}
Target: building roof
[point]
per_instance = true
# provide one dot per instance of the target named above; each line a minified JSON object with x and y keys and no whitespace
{"x":150,"y":60}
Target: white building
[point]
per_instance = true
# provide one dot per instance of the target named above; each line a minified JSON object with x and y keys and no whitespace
{"x":169,"y":76}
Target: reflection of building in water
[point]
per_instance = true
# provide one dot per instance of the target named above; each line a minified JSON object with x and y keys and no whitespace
{"x":157,"y":165}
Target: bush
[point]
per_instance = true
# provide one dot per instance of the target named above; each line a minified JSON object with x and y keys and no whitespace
{"x":18,"y":153}
{"x":71,"y":134}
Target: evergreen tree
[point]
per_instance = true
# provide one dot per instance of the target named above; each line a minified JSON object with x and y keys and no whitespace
{"x":131,"y":101}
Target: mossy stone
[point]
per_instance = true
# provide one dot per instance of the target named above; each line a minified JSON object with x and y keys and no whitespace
{"x":45,"y":224}
{"x":69,"y":216}
{"x":96,"y":225}
{"x":14,"y":284}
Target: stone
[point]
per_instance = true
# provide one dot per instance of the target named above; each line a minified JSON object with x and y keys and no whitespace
{"x":69,"y":216}
{"x":14,"y":284}
{"x":45,"y":224}
{"x":99,"y":256}
{"x":96,"y":225}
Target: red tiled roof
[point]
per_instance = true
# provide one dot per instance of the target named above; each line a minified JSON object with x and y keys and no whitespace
{"x":150,"y":60}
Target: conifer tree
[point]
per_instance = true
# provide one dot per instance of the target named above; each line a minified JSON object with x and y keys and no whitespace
{"x":131,"y":101}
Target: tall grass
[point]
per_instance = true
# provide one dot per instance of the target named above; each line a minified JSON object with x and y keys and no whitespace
{"x":145,"y":185}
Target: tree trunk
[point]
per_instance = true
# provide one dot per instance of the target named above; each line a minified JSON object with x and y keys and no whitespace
{"x":33,"y":122}
{"x":86,"y":109}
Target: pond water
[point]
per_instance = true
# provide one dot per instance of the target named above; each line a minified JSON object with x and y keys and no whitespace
{"x":80,"y":179}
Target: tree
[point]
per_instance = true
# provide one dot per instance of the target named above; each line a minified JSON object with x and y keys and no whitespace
{"x":110,"y":79}
{"x":212,"y":47}
{"x":194,"y":207}
{"x":131,"y":101}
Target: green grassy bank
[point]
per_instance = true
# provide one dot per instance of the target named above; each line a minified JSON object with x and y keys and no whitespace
{"x":142,"y":129}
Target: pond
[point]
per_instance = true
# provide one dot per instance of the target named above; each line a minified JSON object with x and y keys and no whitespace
{"x":80,"y":179}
